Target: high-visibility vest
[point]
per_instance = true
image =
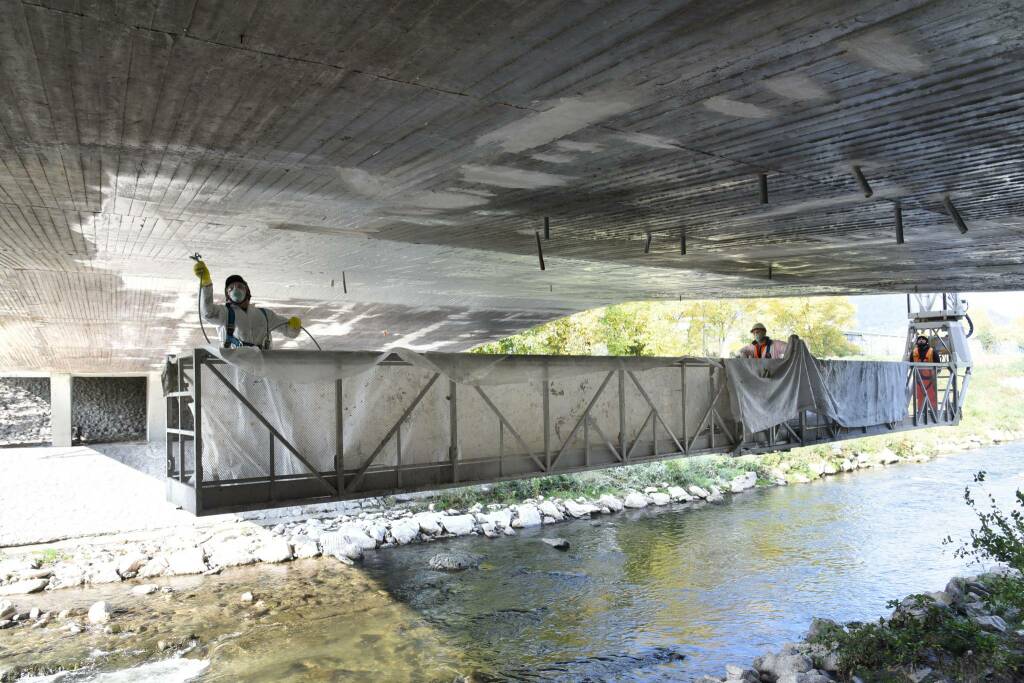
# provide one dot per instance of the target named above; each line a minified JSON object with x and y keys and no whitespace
{"x":929,"y":356}
{"x":926,"y":374}
{"x":763,"y":350}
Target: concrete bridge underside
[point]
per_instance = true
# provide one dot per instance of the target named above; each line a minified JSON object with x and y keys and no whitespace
{"x":381,"y":168}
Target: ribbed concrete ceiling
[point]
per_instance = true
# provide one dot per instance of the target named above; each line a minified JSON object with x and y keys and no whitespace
{"x":417,"y":146}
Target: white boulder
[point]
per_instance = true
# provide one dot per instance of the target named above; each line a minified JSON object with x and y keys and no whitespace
{"x":679,"y":494}
{"x":660,"y":498}
{"x":747,"y":480}
{"x":340,"y":545}
{"x":405,"y":531}
{"x":887,"y":457}
{"x":528,"y":515}
{"x":155,"y":567}
{"x":274,"y":550}
{"x":428,"y":522}
{"x":549,"y":509}
{"x":779,"y":665}
{"x":376,"y":531}
{"x":356,"y":535}
{"x":305,"y":548}
{"x":611,"y":502}
{"x":99,"y":613}
{"x":635,"y":499}
{"x":500,"y":518}
{"x":129,"y":565}
{"x":580,"y":510}
{"x":460,"y":525}
{"x":697,"y":492}
{"x":233,"y":552}
{"x":103,"y":572}
{"x":24,"y":587}
{"x":186,"y":561}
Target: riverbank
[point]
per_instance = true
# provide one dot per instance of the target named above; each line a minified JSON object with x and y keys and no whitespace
{"x":968,"y":631}
{"x":174,"y":545}
{"x":660,"y":593}
{"x":489,"y":511}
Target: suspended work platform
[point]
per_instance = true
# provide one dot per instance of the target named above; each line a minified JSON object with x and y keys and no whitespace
{"x":250,"y":429}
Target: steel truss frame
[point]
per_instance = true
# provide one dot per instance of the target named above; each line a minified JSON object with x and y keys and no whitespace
{"x":512,"y":457}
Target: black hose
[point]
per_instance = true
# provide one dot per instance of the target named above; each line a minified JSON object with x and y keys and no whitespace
{"x":199,"y":299}
{"x":199,"y":312}
{"x":970,"y":325}
{"x":304,"y":330}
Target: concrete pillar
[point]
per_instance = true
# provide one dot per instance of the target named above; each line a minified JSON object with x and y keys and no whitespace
{"x":156,"y":408}
{"x":60,"y":409}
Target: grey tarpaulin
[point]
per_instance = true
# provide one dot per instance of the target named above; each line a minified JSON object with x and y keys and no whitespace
{"x":310,"y":367}
{"x":768,"y":392}
{"x":295,"y":392}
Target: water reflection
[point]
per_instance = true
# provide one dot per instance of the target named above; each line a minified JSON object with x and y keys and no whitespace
{"x":718,"y":584}
{"x":652,"y":595}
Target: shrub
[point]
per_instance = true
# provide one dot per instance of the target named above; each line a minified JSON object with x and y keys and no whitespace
{"x":920,"y":633}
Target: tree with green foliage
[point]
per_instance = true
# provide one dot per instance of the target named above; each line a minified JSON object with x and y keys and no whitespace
{"x":705,"y":328}
{"x":818,"y":321}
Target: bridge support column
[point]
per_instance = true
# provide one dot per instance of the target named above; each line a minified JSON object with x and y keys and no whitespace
{"x":156,"y":408}
{"x":60,"y":409}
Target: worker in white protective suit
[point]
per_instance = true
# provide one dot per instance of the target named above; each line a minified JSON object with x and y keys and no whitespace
{"x":239,"y":323}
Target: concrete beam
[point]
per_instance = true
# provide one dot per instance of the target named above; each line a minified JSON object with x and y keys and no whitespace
{"x":60,"y":409}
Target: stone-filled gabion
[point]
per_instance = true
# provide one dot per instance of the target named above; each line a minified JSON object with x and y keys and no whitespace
{"x":106,"y":409}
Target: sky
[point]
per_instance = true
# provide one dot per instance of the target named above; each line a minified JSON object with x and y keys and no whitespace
{"x":887,"y":314}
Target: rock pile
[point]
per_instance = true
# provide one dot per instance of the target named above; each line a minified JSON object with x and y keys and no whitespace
{"x":812,"y":662}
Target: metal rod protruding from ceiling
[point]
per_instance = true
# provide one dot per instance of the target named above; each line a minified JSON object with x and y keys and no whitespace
{"x":547,"y":228}
{"x":862,"y":181}
{"x":540,"y":250}
{"x":899,"y":222}
{"x":682,"y":242}
{"x":762,"y":179}
{"x":955,"y":215}
{"x":647,"y":243}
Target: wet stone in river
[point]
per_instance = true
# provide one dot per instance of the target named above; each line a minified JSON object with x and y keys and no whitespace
{"x":454,"y":561}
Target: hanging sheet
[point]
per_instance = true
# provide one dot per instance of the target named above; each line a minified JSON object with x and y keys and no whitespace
{"x":768,"y":392}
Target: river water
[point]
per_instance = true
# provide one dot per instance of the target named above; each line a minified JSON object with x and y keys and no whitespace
{"x":652,"y":595}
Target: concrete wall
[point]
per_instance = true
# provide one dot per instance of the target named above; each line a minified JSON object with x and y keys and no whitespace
{"x":106,"y":409}
{"x":24,"y":410}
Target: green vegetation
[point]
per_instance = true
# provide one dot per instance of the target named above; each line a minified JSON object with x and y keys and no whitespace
{"x":704,"y":328}
{"x":920,"y":633}
{"x":704,"y":471}
{"x":50,"y":555}
{"x":952,"y":638}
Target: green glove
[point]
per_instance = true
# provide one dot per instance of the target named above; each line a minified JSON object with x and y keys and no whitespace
{"x":294,"y":323}
{"x":203,"y":273}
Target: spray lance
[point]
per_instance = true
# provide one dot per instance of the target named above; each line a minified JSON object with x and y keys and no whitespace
{"x":199,"y":299}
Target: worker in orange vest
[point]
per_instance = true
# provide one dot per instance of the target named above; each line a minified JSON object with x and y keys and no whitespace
{"x":763,"y":346}
{"x":924,"y":353}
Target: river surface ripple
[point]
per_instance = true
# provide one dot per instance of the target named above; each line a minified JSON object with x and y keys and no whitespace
{"x":661,"y":594}
{"x":720,"y":584}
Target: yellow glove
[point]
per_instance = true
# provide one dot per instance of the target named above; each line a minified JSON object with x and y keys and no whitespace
{"x":294,"y":323}
{"x":203,"y":273}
